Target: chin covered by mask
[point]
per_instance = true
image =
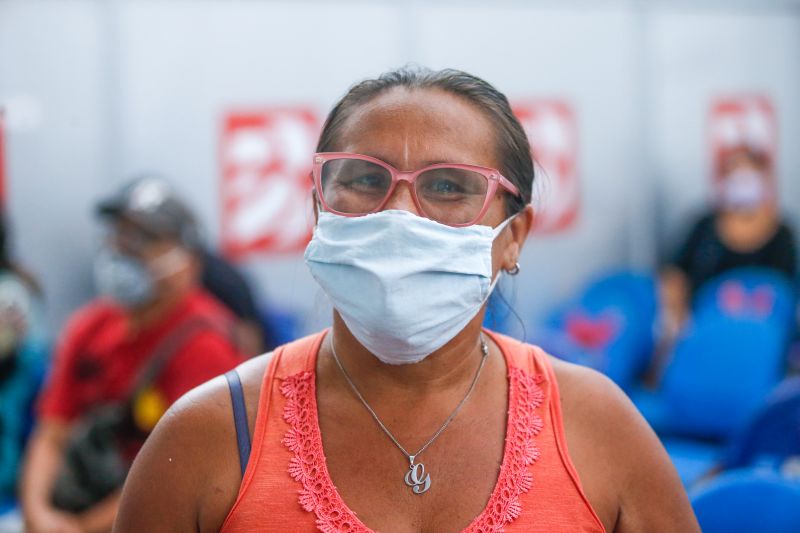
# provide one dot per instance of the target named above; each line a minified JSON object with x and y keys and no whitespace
{"x":129,"y":280}
{"x":404,"y":285}
{"x":744,"y":190}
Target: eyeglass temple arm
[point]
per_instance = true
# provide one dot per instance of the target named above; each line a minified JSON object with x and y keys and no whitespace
{"x":508,"y":185}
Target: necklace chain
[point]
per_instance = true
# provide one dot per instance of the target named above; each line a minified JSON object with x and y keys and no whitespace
{"x":411,"y":458}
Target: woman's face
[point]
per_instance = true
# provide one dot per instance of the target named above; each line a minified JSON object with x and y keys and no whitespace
{"x":411,"y":129}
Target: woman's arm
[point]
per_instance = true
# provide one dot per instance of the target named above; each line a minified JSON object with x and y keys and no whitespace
{"x":652,"y":497}
{"x":42,"y":462}
{"x":626,"y":473}
{"x":674,"y":294}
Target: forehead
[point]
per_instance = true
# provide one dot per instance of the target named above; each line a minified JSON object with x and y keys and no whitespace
{"x":412,"y":128}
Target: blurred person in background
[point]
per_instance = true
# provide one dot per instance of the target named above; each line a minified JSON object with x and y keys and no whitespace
{"x":23,"y":356}
{"x":226,"y":284}
{"x":222,"y":280}
{"x":422,"y":186}
{"x":745,"y":228}
{"x":122,"y":360}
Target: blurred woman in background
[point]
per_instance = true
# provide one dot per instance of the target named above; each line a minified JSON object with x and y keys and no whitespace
{"x":22,"y":359}
{"x":744,"y":229}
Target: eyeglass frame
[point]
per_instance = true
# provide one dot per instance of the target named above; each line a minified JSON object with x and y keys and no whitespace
{"x":493,"y":176}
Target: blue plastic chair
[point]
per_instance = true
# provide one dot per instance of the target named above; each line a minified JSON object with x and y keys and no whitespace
{"x":693,"y":459}
{"x":760,"y":294}
{"x":720,"y":373}
{"x":281,"y":326}
{"x":729,"y":358}
{"x":608,"y":327}
{"x":768,"y":439}
{"x":773,"y":435}
{"x":748,"y":501}
{"x":722,"y":370}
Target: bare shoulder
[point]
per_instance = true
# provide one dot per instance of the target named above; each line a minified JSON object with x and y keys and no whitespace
{"x":587,"y":394}
{"x":206,"y":410}
{"x":187,"y":474}
{"x":625,"y":471}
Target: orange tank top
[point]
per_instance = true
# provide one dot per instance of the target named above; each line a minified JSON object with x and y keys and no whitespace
{"x":287,"y":487}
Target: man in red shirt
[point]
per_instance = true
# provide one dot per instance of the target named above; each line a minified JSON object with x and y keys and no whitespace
{"x":148,"y":272}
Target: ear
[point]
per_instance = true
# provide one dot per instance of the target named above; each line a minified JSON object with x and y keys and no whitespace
{"x":519,"y":228}
{"x":315,"y":203}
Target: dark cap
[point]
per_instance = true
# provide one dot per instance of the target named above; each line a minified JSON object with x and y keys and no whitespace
{"x":150,"y":203}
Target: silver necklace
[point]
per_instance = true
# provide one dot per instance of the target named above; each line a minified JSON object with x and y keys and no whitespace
{"x":416,"y":477}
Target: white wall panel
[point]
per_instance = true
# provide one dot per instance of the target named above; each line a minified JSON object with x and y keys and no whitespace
{"x":51,"y":79}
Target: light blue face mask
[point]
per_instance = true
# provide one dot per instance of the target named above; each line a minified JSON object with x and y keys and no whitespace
{"x":128,"y":280}
{"x":124,"y":279}
{"x":404,"y":285}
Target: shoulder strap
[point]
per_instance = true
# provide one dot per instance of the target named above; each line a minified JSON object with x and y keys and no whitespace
{"x":298,"y":356}
{"x":286,"y":360}
{"x":239,"y":418}
{"x":517,"y":353}
{"x":169,"y":347}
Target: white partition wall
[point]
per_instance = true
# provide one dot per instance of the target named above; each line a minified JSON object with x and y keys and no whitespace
{"x":99,"y":91}
{"x":56,"y":127}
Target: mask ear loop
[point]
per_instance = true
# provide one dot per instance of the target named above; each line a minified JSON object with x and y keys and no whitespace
{"x":500,"y":227}
{"x":496,"y":233}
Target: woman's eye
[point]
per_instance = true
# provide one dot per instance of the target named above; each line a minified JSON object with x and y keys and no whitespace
{"x":443,"y":186}
{"x":365,"y":182}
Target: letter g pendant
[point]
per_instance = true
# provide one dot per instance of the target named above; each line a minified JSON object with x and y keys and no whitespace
{"x":416,"y":477}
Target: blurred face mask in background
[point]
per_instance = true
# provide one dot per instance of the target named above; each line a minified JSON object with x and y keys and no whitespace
{"x":131,"y":281}
{"x":744,"y":190}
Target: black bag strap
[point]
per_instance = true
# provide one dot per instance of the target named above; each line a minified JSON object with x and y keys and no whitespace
{"x":169,"y":347}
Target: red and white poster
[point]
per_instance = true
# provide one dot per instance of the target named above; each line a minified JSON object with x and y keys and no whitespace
{"x":742,"y":121}
{"x":553,"y":133}
{"x":266,"y":188}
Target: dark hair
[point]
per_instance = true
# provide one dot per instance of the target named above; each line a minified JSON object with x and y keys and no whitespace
{"x":513,"y":149}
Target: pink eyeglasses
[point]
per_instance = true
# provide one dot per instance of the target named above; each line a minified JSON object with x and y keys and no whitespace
{"x":455,"y":195}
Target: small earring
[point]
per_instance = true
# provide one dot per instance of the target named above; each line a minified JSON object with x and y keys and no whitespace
{"x":514,"y":271}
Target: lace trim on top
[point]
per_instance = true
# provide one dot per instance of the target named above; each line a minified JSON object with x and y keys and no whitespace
{"x":319,"y":495}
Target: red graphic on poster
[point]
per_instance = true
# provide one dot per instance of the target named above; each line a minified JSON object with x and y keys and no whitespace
{"x":266,"y":189}
{"x":553,"y":133}
{"x":744,"y":120}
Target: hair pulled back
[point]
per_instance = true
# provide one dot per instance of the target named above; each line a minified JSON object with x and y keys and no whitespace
{"x":513,"y":149}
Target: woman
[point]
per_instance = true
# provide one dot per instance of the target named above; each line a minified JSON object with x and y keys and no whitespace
{"x":23,"y":355}
{"x":744,"y":229}
{"x":405,"y":415}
